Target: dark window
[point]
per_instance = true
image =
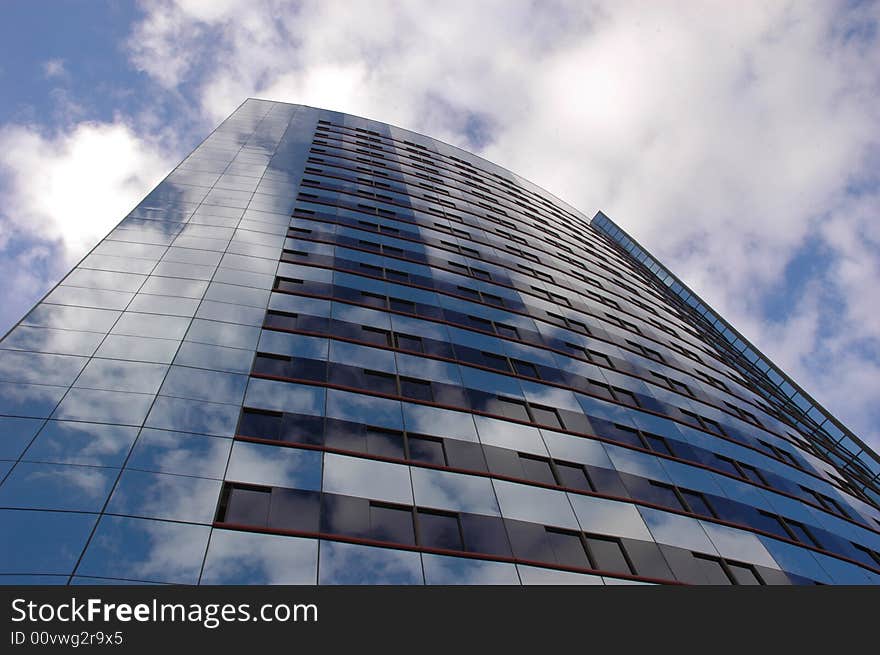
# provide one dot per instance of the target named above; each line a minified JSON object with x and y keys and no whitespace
{"x":537,"y":469}
{"x":506,"y":331}
{"x":376,"y":336}
{"x":385,"y":443}
{"x":408,"y":342}
{"x":727,"y":465}
{"x":369,"y":269}
{"x":265,"y":425}
{"x":524,"y":368}
{"x":657,"y":444}
{"x":247,"y":505}
{"x":397,"y":276}
{"x":497,"y":362}
{"x":608,"y":555}
{"x":697,"y":503}
{"x":439,"y":530}
{"x":424,"y":449}
{"x":400,"y":305}
{"x":568,"y":548}
{"x":373,"y":299}
{"x":744,"y":574}
{"x":470,"y":293}
{"x":277,"y":365}
{"x":546,"y":416}
{"x":380,"y":382}
{"x":800,"y":533}
{"x":492,"y":299}
{"x":480,"y":323}
{"x":712,"y":570}
{"x":573,"y":476}
{"x":511,"y":409}
{"x":751,"y":474}
{"x":417,"y":389}
{"x":663,"y":494}
{"x":599,"y":358}
{"x":624,"y":396}
{"x":391,"y":523}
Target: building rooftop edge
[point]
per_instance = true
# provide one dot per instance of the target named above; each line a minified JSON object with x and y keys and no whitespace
{"x":810,"y":407}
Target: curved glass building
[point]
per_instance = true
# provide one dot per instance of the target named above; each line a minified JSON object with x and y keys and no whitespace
{"x":328,"y":350}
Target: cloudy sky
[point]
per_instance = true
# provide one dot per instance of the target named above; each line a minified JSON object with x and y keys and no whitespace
{"x":739,"y":141}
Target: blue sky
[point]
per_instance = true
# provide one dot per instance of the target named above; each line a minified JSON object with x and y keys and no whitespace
{"x":737,"y":141}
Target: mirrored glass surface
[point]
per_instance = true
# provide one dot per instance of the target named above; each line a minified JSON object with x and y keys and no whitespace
{"x":343,"y":563}
{"x":144,"y":549}
{"x":540,"y":576}
{"x":68,"y":442}
{"x":34,"y":400}
{"x":104,"y":406}
{"x":144,"y":349}
{"x":16,"y":434}
{"x":364,"y":409}
{"x":216,"y":333}
{"x":240,"y":558}
{"x":181,"y":453}
{"x":50,"y":340}
{"x":39,"y":368}
{"x":441,"y":422}
{"x":71,"y":318}
{"x":609,"y":517}
{"x":151,"y":325}
{"x":275,"y":466}
{"x":353,"y":476}
{"x":454,"y":491}
{"x":42,"y":542}
{"x":116,"y":375}
{"x":164,"y":496}
{"x":677,"y":530}
{"x":181,"y":415}
{"x":32,"y":485}
{"x":445,"y":570}
{"x":201,"y":384}
{"x":535,"y":504}
{"x":285,"y":396}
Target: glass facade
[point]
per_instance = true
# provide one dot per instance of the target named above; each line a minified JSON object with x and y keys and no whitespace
{"x":328,"y":350}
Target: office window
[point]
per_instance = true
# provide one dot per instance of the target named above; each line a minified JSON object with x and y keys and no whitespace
{"x":512,"y":409}
{"x":416,"y":389}
{"x":391,"y":523}
{"x":263,"y":424}
{"x":408,"y":342}
{"x":573,"y":476}
{"x":246,"y":505}
{"x":385,"y":443}
{"x":525,"y":368}
{"x":568,"y":548}
{"x":608,"y":554}
{"x":546,"y":416}
{"x":439,"y":529}
{"x":380,"y":382}
{"x":697,"y":503}
{"x":743,"y":574}
{"x":537,"y":468}
{"x":712,"y":569}
{"x":425,"y":449}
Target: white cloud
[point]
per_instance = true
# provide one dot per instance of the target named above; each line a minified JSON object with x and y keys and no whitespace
{"x":720,"y":136}
{"x":724,"y":137}
{"x":61,"y":194}
{"x":72,"y":188}
{"x":54,"y":68}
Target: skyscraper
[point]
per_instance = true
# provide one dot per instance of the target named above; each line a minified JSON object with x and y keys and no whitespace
{"x":329,"y":350}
